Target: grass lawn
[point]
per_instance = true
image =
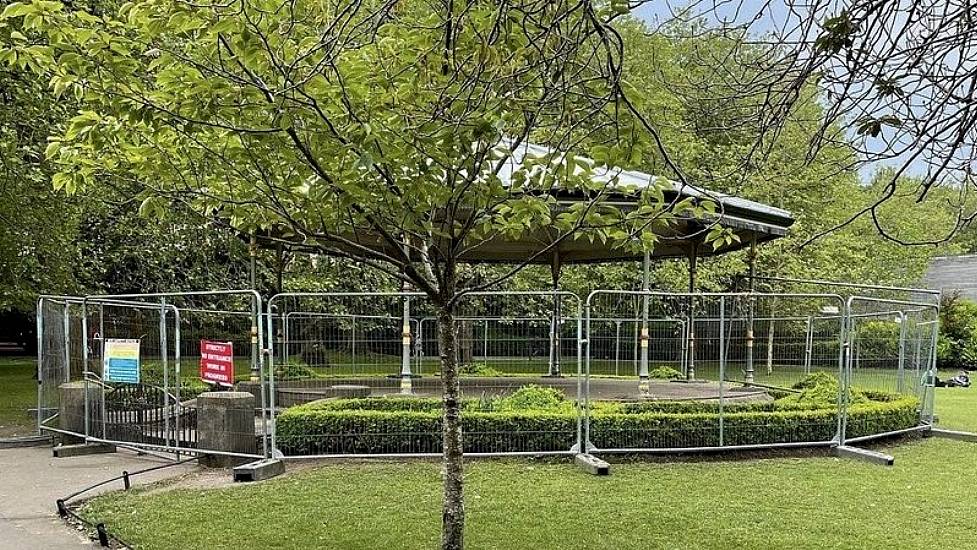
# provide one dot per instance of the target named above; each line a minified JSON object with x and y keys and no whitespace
{"x":18,"y":393}
{"x":811,"y":502}
{"x":956,"y":408}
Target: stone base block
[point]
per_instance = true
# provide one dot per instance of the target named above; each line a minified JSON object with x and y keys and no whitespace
{"x":954,"y":434}
{"x":592,"y":465}
{"x":67,"y":451}
{"x":225,"y":424}
{"x":221,"y":461}
{"x":874,"y":457}
{"x":259,"y":470}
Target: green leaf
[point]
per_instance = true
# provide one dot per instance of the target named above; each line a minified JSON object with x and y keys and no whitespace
{"x":15,"y":9}
{"x":52,"y":149}
{"x":60,"y":181}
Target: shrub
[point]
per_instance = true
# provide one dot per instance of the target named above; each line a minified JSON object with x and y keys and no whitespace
{"x":531,"y":398}
{"x":711,"y":407}
{"x":294,"y":371}
{"x":873,"y":417}
{"x":375,"y":404}
{"x":190,"y":385}
{"x":478,"y":369}
{"x":664,"y":372}
{"x":815,"y":379}
{"x":398,"y":425}
{"x":878,"y":342}
{"x":957,"y":345}
{"x":820,"y":390}
{"x":303,"y":431}
{"x":397,"y":403}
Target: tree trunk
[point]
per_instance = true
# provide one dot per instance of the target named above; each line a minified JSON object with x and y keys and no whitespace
{"x":466,"y":344}
{"x":770,"y":348}
{"x":452,"y":468}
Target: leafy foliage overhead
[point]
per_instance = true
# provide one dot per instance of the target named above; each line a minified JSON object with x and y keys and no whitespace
{"x":377,"y":132}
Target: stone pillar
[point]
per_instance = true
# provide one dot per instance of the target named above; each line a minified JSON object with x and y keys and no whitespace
{"x":225,"y":422}
{"x":71,"y":412}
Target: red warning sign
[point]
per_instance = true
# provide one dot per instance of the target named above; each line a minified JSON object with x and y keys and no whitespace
{"x":217,"y":362}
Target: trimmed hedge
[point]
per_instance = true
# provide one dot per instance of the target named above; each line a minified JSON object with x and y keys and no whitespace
{"x":310,"y":431}
{"x":474,"y":405}
{"x":386,"y":425}
{"x":389,"y":404}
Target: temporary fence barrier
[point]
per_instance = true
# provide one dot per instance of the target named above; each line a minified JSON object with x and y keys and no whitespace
{"x":358,"y":374}
{"x":891,"y":349}
{"x":118,"y":374}
{"x":499,"y":335}
{"x":721,"y":343}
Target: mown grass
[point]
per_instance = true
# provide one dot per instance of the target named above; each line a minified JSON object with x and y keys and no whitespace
{"x":956,"y":408}
{"x":810,"y":502}
{"x":18,"y":394}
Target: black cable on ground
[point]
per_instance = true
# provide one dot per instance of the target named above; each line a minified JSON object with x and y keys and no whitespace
{"x":104,"y":536}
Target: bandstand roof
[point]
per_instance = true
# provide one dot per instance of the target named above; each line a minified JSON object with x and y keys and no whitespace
{"x":749,"y":220}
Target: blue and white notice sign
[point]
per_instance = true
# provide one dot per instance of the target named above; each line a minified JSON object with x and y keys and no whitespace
{"x":121,"y":361}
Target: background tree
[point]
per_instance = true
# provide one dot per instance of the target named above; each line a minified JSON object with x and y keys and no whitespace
{"x":709,"y":130}
{"x":957,"y":345}
{"x":892,"y":81}
{"x":94,"y":242}
{"x":721,"y":138}
{"x":37,"y":224}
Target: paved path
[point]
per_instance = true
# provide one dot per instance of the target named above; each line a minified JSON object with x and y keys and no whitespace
{"x":31,"y":481}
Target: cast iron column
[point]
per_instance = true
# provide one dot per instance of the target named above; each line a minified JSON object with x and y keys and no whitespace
{"x":406,"y":386}
{"x":750,"y":313}
{"x":555,"y":268}
{"x":644,"y":382}
{"x":693,"y":258}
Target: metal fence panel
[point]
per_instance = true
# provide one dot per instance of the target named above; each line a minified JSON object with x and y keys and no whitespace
{"x":891,"y":348}
{"x":59,"y":356}
{"x":379,"y":346}
{"x":541,"y":372}
{"x":159,"y":412}
{"x":729,"y":348}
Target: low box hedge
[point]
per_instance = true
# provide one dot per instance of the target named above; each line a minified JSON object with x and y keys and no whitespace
{"x":398,"y":425}
{"x":474,"y":405}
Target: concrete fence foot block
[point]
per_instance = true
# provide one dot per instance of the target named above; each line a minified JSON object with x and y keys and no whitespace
{"x":28,"y":441}
{"x":954,"y":434}
{"x":259,"y":470}
{"x":882,"y":459}
{"x":592,"y":465}
{"x":82,"y":449}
